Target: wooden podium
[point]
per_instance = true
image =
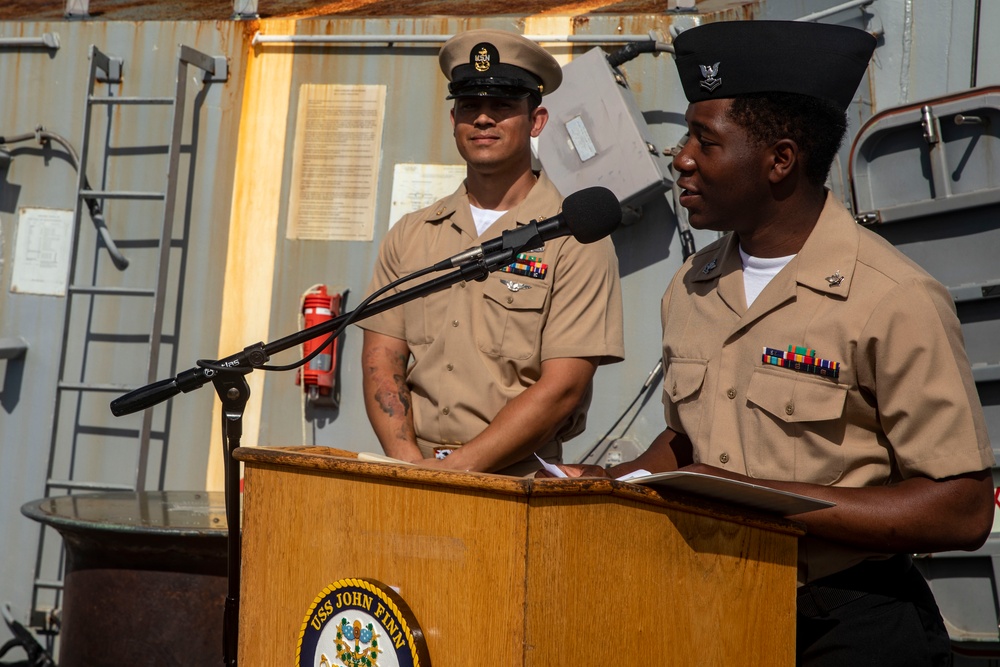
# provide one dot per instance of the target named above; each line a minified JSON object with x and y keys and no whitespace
{"x":507,"y":571}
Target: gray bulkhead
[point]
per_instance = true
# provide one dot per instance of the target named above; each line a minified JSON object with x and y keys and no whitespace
{"x":237,"y":271}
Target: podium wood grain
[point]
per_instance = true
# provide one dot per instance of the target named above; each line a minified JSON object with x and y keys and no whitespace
{"x":504,"y":571}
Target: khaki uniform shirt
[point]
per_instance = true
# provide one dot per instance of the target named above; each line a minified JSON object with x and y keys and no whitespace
{"x":904,"y":403}
{"x":477,"y":345}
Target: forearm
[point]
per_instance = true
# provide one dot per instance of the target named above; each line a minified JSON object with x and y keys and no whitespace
{"x":387,"y":396}
{"x":529,"y":420}
{"x":918,"y":515}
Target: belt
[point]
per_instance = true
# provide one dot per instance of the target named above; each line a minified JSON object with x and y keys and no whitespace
{"x":822,"y":596}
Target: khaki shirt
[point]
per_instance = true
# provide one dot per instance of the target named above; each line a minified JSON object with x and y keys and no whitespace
{"x":477,"y":345}
{"x":904,"y":403}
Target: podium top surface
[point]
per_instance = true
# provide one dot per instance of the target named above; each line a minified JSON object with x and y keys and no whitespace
{"x":336,"y":462}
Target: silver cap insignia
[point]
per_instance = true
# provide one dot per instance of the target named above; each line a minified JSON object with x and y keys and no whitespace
{"x":711,"y":80}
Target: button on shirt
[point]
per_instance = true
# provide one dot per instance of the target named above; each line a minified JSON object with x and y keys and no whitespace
{"x":904,"y":403}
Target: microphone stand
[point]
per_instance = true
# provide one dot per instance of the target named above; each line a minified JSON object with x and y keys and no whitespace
{"x":229,"y":377}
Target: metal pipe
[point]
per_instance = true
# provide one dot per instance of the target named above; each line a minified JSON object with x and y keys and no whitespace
{"x":974,"y":73}
{"x":835,"y":10}
{"x":48,"y":40}
{"x":96,"y":213}
{"x":394,"y":40}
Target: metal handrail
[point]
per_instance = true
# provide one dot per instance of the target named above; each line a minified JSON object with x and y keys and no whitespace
{"x":259,"y":38}
{"x":48,"y":40}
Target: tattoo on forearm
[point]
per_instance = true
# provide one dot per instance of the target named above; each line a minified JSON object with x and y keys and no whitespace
{"x":391,"y":393}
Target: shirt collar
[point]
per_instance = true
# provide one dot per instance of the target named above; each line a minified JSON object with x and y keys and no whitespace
{"x":825,"y":263}
{"x":537,"y":202}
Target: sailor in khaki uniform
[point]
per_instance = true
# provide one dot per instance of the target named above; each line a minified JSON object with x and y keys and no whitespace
{"x":803,"y":352}
{"x":501,"y":368}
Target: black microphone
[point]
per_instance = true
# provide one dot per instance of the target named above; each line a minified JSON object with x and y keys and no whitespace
{"x":589,"y":215}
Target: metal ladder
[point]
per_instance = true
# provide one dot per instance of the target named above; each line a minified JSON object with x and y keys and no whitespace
{"x":81,"y":292}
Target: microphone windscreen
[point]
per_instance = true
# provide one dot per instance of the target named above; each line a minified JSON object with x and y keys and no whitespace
{"x":591,"y":213}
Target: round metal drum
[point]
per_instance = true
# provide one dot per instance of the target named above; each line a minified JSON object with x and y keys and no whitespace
{"x":145,"y":579}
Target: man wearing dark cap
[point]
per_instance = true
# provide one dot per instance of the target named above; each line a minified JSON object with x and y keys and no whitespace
{"x":804,"y":353}
{"x":501,"y":369}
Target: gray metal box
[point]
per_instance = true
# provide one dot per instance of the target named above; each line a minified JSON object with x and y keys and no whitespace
{"x":596,"y":135}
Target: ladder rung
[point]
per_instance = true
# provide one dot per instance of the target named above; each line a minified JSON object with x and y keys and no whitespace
{"x":100,"y":99}
{"x":113,"y":291}
{"x":87,"y":386}
{"x":47,"y":583}
{"x":112,"y":194}
{"x":109,"y":432}
{"x":88,"y":486}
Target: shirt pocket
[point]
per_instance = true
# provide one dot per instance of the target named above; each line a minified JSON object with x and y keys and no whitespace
{"x":424,"y":316}
{"x":511,"y":322}
{"x":684,"y":378}
{"x":682,"y":383}
{"x":798,"y":427}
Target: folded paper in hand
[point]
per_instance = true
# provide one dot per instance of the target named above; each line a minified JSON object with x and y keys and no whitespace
{"x":739,"y":493}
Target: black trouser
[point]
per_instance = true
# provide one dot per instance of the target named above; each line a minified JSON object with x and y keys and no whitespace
{"x":878,"y":613}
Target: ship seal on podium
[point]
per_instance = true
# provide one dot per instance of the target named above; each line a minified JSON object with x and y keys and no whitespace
{"x":360,"y":623}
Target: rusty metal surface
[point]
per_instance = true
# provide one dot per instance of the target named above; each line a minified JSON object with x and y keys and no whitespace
{"x":146,"y":577}
{"x":214,"y":10}
{"x":118,"y":617}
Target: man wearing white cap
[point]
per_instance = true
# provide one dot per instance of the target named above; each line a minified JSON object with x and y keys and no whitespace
{"x":503,"y":368}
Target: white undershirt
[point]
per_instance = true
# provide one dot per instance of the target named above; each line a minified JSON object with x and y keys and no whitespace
{"x":758,"y":272}
{"x":484,"y":218}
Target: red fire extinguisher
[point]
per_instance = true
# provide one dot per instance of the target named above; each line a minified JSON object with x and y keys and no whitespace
{"x":317,"y":377}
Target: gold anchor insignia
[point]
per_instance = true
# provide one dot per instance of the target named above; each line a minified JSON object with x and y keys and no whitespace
{"x":835,"y":279}
{"x":482,"y":60}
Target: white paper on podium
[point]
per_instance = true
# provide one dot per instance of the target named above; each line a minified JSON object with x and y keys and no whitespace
{"x":372,"y":457}
{"x":729,"y":490}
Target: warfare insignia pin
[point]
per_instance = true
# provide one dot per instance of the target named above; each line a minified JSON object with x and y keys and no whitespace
{"x":710,"y":79}
{"x":514,"y":286}
{"x":710,"y":267}
{"x":355,"y":622}
{"x":835,"y":279}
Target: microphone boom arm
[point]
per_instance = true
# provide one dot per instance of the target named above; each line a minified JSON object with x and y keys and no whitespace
{"x":256,"y":355}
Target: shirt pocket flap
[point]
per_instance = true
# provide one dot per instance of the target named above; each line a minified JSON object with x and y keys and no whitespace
{"x":791,"y":398}
{"x":684,"y":378}
{"x":515,"y":295}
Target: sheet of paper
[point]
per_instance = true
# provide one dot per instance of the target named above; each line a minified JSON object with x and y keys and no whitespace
{"x":372,"y":457}
{"x":550,"y":468}
{"x":415,"y":186}
{"x":557,"y":471}
{"x":335,"y":168}
{"x":42,"y":251}
{"x":732,"y":491}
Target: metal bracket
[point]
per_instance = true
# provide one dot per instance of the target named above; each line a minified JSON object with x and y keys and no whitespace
{"x":109,"y":68}
{"x":220,"y":72}
{"x":216,"y":68}
{"x":13,"y":348}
